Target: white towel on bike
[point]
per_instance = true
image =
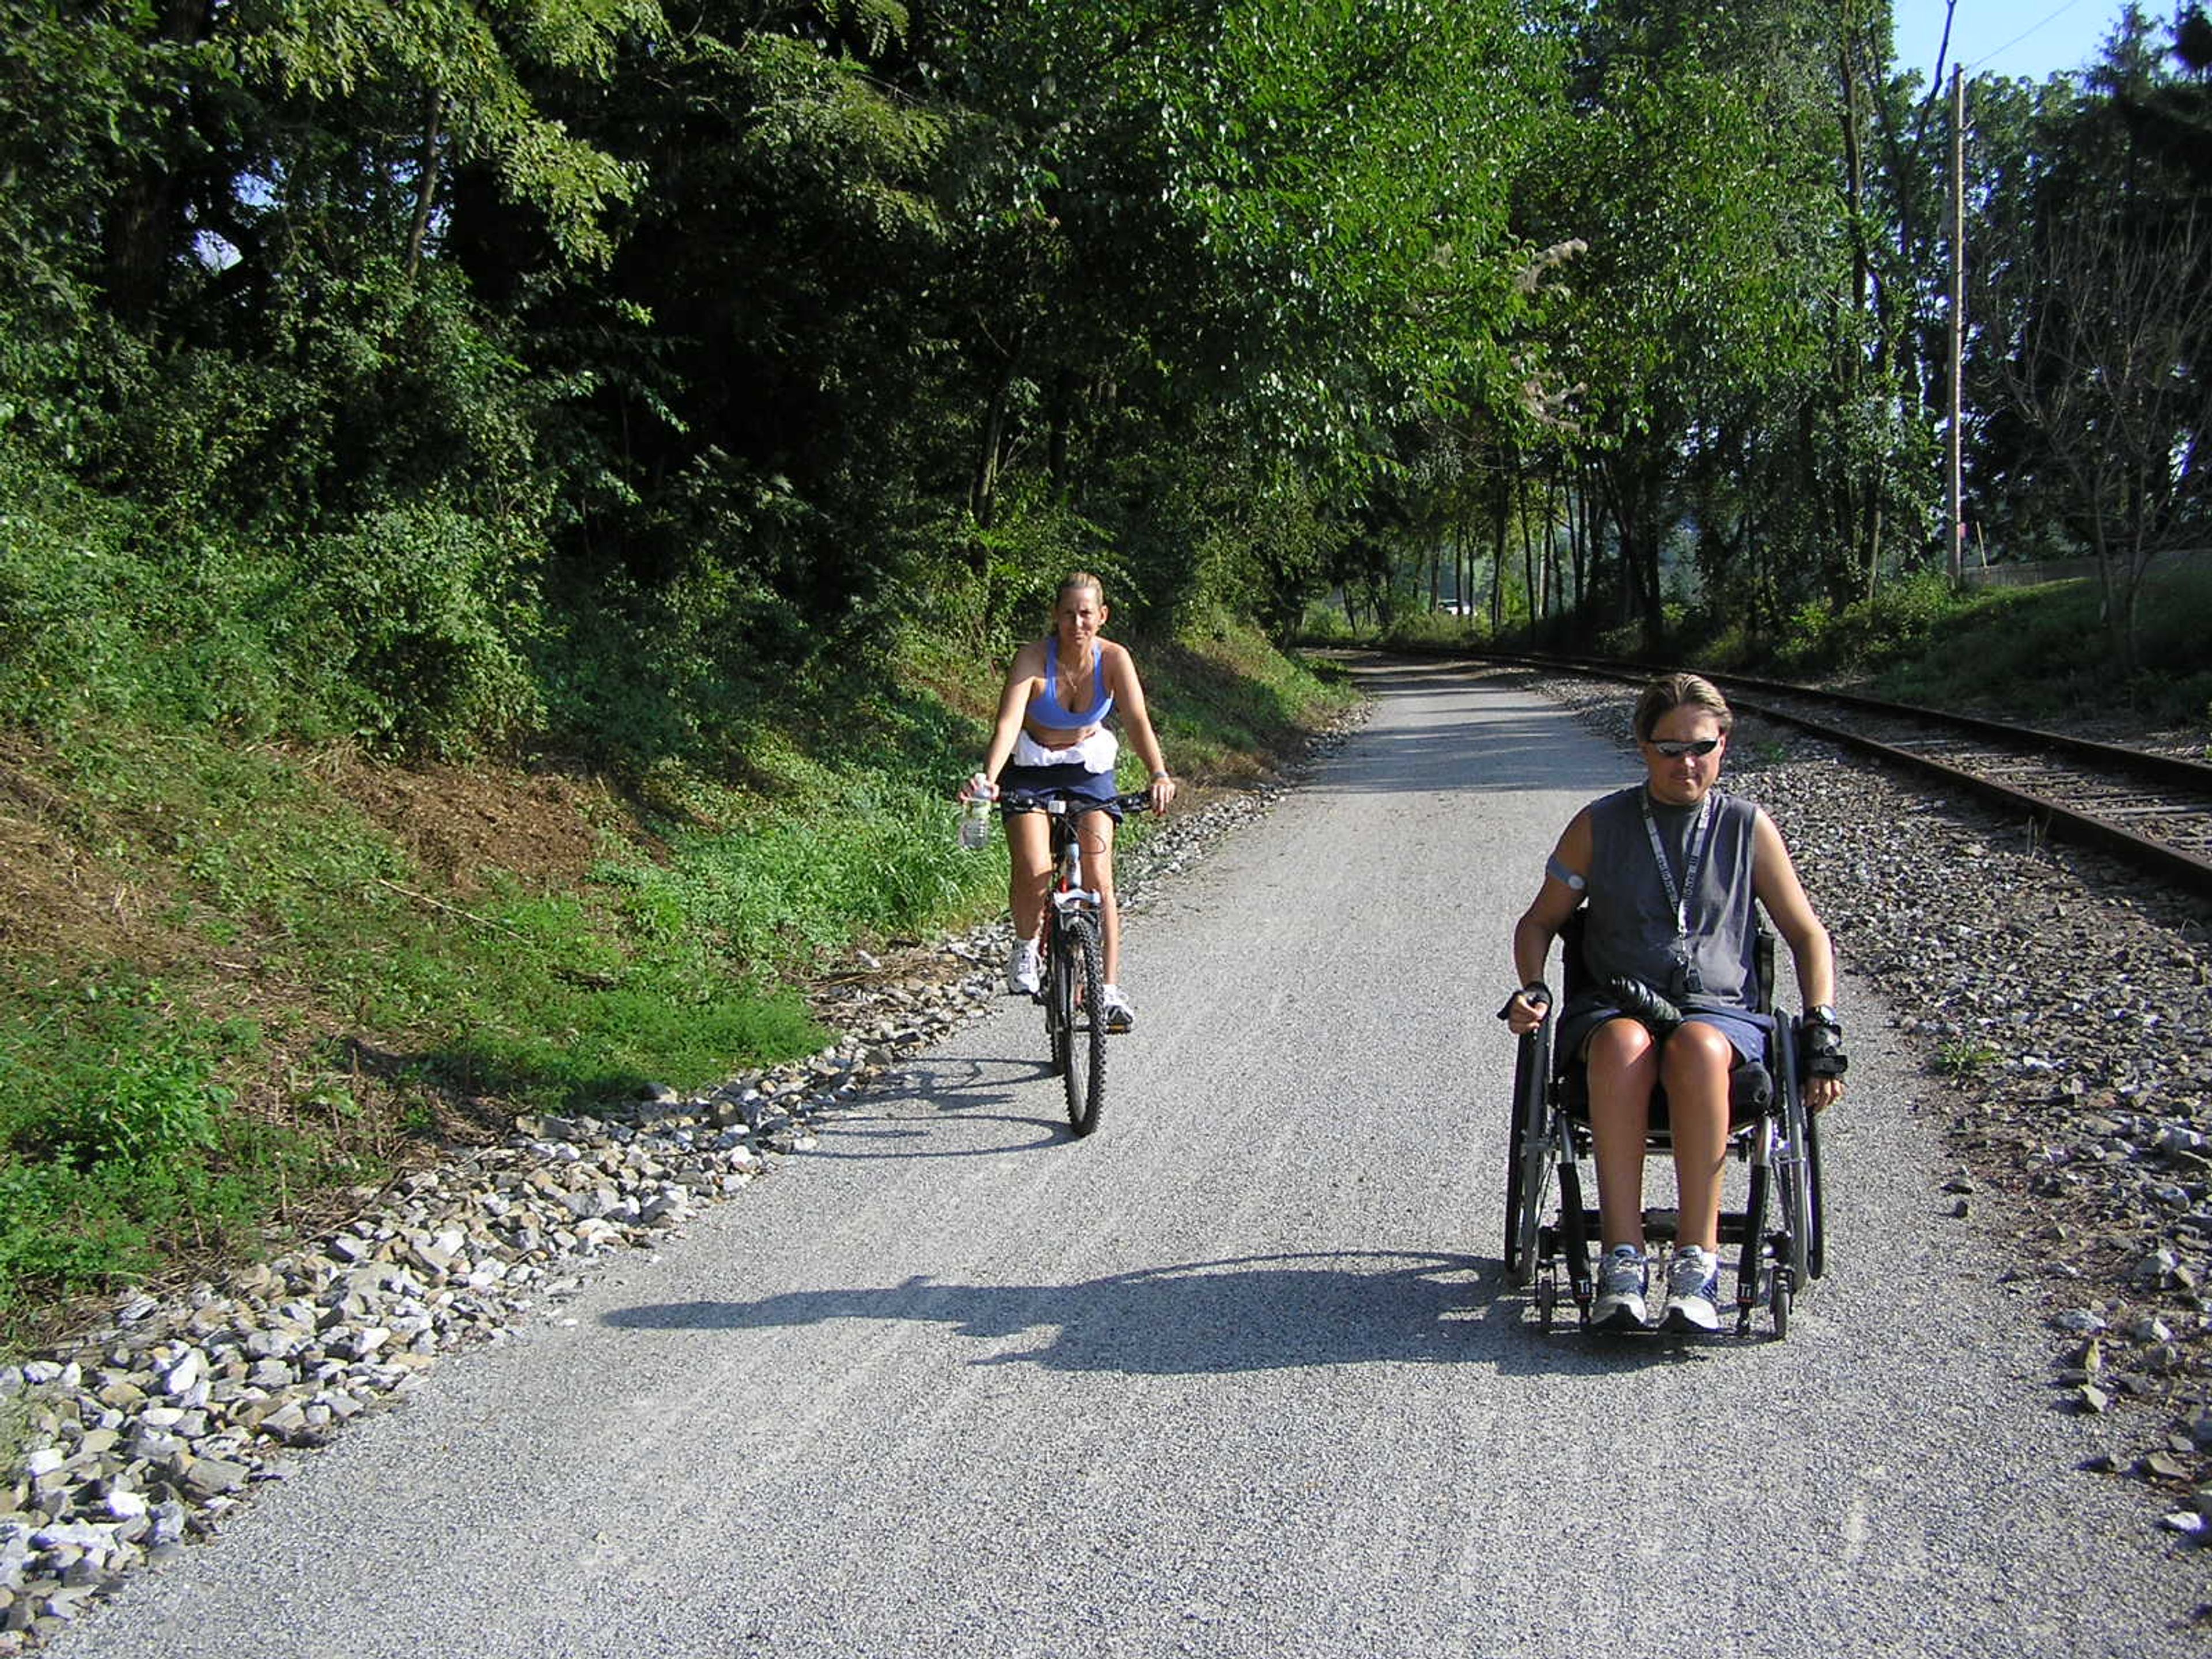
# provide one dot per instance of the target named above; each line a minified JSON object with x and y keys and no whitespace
{"x":1095,"y":753}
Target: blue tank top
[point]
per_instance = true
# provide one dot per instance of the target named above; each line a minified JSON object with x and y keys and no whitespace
{"x":1630,"y":929}
{"x":1044,"y":708}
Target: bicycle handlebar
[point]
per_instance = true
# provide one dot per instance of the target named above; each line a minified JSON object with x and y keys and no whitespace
{"x":1057,"y":806}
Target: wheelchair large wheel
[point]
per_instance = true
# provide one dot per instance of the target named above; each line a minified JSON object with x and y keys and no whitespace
{"x":1816,"y":1246}
{"x":1528,"y":1165}
{"x":1793,"y":1181}
{"x":1798,"y":1174}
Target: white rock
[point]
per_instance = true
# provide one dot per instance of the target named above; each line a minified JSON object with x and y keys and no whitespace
{"x":182,"y":1376}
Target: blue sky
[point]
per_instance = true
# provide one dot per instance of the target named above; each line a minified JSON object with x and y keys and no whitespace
{"x":2030,"y":38}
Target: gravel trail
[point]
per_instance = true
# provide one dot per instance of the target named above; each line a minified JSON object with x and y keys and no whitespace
{"x":1236,"y":1375}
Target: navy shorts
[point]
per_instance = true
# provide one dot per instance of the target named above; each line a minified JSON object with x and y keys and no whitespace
{"x":1071,"y":782}
{"x":1746,"y":1031}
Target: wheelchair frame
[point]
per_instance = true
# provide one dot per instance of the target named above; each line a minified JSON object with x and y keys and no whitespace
{"x":1549,"y":1141}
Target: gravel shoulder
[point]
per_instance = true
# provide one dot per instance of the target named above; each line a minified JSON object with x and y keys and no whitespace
{"x":1236,"y":1375}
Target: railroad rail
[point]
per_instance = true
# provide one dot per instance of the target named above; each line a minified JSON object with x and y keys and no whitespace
{"x":2153,"y":810}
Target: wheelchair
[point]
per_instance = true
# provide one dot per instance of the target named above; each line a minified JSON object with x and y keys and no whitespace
{"x":1770,"y":1130}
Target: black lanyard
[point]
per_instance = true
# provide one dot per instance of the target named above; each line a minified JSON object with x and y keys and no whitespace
{"x":1693,"y":863}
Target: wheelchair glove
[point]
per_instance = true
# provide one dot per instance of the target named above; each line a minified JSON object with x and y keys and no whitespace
{"x":1639,"y":1001}
{"x":1535,"y":994}
{"x":1821,"y":1041}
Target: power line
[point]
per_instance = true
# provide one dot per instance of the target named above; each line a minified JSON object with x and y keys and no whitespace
{"x":2032,"y":29}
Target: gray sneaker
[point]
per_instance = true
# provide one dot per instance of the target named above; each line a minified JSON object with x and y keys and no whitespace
{"x":1621,"y":1283}
{"x":1023,"y":972}
{"x":1693,"y":1279}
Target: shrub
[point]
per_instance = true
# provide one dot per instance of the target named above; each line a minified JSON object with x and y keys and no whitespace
{"x":428,"y":609}
{"x":149,"y":1107}
{"x":62,"y":1227}
{"x":122,"y":1078}
{"x":108,"y":615}
{"x":1417,"y":629}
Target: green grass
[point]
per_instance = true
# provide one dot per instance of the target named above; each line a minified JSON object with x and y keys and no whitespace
{"x":1961,"y":1058}
{"x":2027,"y":653}
{"x":383,"y":1016}
{"x":2046,"y":651}
{"x":120,"y":1137}
{"x":251,"y":997}
{"x":1221,"y":701}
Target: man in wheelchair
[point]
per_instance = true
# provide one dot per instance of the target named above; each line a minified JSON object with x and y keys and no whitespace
{"x":1669,"y":870}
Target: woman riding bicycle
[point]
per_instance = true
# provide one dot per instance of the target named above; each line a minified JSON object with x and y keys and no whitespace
{"x":1051,"y":739}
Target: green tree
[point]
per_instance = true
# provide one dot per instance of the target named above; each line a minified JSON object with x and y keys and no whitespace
{"x":2095,"y":333}
{"x":1706,"y":214}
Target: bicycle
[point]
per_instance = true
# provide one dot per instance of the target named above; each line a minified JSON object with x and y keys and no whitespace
{"x":1072,"y":949}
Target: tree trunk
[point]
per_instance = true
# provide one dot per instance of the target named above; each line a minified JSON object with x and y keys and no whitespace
{"x":983,"y":493}
{"x":1582,"y":517}
{"x":1067,"y":401}
{"x":1529,"y":563}
{"x":1497,"y":518}
{"x":1634,"y":496}
{"x":426,"y":184}
{"x":146,"y":234}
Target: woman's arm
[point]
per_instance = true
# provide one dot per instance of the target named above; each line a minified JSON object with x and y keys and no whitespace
{"x":1774,"y":879}
{"x":1555,"y":901}
{"x":1129,"y":697}
{"x":1023,"y":679}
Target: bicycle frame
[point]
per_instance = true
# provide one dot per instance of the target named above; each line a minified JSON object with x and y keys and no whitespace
{"x":1068,"y":892}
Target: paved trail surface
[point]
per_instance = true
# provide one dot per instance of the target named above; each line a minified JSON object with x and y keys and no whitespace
{"x":1235,"y":1377}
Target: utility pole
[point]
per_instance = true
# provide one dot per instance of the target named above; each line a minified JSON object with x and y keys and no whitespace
{"x":1957,"y":520}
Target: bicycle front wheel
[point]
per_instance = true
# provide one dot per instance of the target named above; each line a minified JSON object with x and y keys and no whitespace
{"x":1083,"y":1032}
{"x":1059,"y":997}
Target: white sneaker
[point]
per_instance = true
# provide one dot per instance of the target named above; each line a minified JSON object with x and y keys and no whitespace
{"x":1119,"y":1016}
{"x":1621,"y":1283}
{"x":1024,"y":975}
{"x":1693,"y":1280}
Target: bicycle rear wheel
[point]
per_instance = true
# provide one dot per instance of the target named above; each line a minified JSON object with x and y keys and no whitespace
{"x":1082,"y":1031}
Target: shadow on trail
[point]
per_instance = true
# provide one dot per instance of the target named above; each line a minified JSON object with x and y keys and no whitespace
{"x":1244,"y":1314}
{"x":996,"y":1103}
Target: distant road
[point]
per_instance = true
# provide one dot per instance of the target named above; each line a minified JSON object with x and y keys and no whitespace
{"x":1235,"y":1377}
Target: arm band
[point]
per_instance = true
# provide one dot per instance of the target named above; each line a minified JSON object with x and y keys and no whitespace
{"x":1560,"y":873}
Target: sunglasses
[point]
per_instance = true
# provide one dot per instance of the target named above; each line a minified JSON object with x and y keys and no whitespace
{"x":1674,"y":749}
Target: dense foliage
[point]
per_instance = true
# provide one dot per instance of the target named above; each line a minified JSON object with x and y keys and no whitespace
{"x":447,"y":374}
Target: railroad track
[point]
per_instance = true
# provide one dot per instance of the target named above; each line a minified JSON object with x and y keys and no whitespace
{"x":2153,"y":810}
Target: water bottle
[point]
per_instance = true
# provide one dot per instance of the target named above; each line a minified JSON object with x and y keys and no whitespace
{"x":975,"y":822}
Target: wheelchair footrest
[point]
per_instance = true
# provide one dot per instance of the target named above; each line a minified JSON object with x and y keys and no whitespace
{"x":1663,"y":1226}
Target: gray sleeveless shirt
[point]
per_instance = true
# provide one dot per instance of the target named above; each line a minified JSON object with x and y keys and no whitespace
{"x":1630,"y":931}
